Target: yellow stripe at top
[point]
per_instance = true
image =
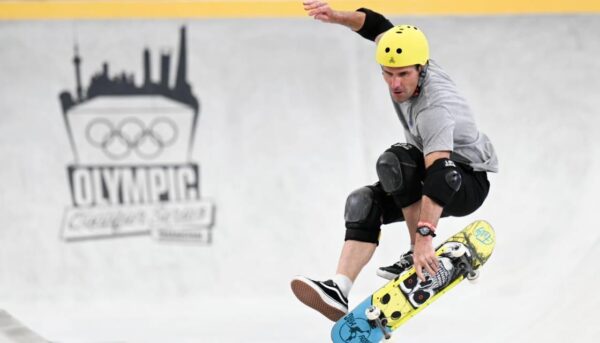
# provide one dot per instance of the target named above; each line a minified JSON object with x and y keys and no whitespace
{"x":107,"y":9}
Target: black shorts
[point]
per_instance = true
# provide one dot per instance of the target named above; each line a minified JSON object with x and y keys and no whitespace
{"x":473,"y":191}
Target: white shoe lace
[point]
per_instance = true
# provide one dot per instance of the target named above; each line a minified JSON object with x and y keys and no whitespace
{"x":404,"y":261}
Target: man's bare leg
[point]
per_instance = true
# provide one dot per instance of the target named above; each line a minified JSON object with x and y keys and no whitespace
{"x":355,"y":255}
{"x":411,"y":215}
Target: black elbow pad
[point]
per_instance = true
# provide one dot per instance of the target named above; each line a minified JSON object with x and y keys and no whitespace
{"x":375,"y":24}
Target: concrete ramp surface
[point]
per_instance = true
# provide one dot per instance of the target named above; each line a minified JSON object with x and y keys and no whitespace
{"x":291,"y":115}
{"x":13,"y":331}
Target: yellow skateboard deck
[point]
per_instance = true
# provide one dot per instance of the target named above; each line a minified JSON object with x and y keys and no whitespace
{"x":402,"y":298}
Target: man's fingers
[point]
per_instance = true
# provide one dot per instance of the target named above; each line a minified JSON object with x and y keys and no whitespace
{"x":315,"y":12}
{"x":311,"y":5}
{"x":318,"y":9}
{"x":431,"y":268}
{"x":419,"y":271}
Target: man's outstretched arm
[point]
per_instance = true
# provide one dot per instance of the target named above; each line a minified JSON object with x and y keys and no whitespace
{"x":369,"y":24}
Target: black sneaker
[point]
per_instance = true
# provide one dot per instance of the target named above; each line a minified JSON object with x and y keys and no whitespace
{"x":393,"y":271}
{"x":323,"y":296}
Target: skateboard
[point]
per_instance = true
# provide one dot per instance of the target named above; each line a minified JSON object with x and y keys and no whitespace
{"x":460,"y":256}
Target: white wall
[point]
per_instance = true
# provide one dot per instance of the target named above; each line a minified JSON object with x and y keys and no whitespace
{"x":294,"y":115}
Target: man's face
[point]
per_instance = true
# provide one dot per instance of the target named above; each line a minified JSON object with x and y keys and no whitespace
{"x":402,"y":81}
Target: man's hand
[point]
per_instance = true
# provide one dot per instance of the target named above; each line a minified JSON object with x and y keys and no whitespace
{"x":424,"y":256}
{"x":320,"y":11}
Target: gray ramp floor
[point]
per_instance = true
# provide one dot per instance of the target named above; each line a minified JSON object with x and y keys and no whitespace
{"x":13,"y":331}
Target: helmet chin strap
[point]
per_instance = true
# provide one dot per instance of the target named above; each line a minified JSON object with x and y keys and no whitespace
{"x":422,"y":75}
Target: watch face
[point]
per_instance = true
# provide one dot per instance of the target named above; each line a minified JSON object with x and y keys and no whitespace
{"x":424,"y":231}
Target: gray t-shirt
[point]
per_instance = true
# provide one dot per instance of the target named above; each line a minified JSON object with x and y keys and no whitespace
{"x":439,"y":119}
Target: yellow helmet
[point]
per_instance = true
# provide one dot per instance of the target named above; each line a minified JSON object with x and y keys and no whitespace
{"x":402,"y":46}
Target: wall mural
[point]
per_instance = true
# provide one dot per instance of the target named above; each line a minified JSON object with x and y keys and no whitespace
{"x":132,"y":172}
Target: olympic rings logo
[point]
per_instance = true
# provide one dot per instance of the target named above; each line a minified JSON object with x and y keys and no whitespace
{"x":131,"y":134}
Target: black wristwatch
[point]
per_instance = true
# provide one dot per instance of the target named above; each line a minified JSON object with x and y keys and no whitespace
{"x":425,"y":231}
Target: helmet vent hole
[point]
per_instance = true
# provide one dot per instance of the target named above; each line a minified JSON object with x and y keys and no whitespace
{"x":387,"y":49}
{"x":398,"y":51}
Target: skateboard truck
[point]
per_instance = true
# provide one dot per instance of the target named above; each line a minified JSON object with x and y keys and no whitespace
{"x":377,"y":318}
{"x":464,"y":264}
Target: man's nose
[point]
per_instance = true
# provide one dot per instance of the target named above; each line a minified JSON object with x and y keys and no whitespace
{"x":396,"y":82}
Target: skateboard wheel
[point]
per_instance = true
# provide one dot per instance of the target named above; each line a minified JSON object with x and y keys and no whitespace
{"x":372,"y":313}
{"x":458,"y":250}
{"x":473,"y":275}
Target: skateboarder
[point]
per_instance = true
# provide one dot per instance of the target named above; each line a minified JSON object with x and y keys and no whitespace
{"x":440,"y":171}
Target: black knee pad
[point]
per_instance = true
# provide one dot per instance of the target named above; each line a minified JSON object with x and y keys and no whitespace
{"x":443,"y":180}
{"x":401,"y":169}
{"x":363,"y":216}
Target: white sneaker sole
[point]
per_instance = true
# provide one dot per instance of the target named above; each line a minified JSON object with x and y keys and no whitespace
{"x":386,"y":275}
{"x":312,"y":296}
